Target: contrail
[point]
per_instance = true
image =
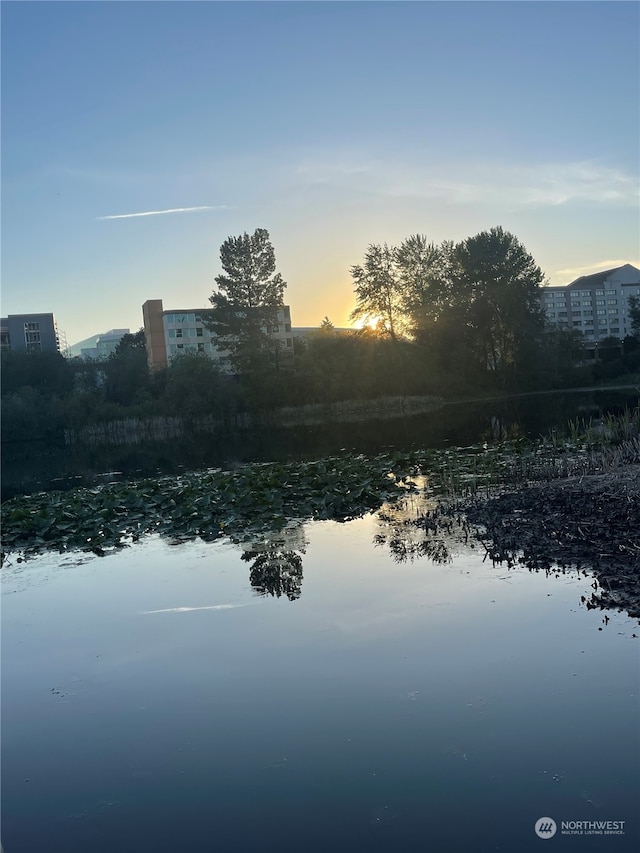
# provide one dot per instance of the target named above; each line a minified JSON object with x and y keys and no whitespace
{"x":169,"y":210}
{"x":188,"y":609}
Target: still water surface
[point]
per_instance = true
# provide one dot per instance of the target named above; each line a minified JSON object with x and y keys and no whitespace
{"x":153,"y":701}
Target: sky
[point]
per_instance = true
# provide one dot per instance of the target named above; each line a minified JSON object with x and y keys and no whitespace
{"x":334,"y":125}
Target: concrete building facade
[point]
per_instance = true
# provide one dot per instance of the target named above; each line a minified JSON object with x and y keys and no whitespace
{"x":596,"y":305}
{"x":29,"y":333}
{"x":172,"y":332}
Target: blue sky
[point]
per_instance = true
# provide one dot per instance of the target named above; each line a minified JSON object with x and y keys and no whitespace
{"x":333,"y":125}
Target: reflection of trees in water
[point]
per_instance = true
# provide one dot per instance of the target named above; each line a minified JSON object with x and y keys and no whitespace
{"x":416,"y":527}
{"x":502,"y":429}
{"x":277,"y":563}
{"x":276,"y":573}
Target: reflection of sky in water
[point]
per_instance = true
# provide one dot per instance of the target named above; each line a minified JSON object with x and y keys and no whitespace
{"x":154,"y":701}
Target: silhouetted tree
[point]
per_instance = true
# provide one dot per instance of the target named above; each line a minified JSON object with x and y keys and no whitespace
{"x":48,"y":372}
{"x":422,"y":272}
{"x":379,"y":292}
{"x":634,"y":315}
{"x":127,"y":373}
{"x":496,"y":284}
{"x":245,"y":307}
{"x":195,"y":387}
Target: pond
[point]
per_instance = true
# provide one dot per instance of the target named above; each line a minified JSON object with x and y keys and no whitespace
{"x":31,"y":466}
{"x":190,"y":697}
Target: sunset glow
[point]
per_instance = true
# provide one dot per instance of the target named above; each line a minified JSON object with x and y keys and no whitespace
{"x":125,"y":167}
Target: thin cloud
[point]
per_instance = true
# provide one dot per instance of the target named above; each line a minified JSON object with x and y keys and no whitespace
{"x":162,"y":212}
{"x":496,"y":184}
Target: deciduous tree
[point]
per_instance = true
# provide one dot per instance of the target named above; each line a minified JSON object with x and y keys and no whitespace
{"x":379,"y":292}
{"x":422,"y":272}
{"x":496,"y":283}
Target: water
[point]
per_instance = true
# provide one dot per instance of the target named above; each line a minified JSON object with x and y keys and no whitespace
{"x":28,"y":466}
{"x":153,"y":700}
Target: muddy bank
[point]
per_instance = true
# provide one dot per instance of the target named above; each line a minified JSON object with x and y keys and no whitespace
{"x":589,"y":522}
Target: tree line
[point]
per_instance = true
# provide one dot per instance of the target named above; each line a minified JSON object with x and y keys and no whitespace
{"x":448,"y":319}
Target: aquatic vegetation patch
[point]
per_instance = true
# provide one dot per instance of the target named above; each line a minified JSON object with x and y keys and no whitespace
{"x":252,"y":500}
{"x":238,"y":504}
{"x":590,"y":522}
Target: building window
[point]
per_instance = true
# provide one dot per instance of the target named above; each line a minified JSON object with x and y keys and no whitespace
{"x":180,"y":346}
{"x":599,"y":292}
{"x":601,"y":311}
{"x":577,"y":313}
{"x":577,"y":322}
{"x":613,"y":310}
{"x":600,"y":302}
{"x":575,"y":304}
{"x":585,"y":293}
{"x":587,"y":302}
{"x":32,"y":327}
{"x":178,"y":333}
{"x":289,"y":342}
{"x":199,"y":332}
{"x":612,"y":301}
{"x":200,"y":347}
{"x":172,"y":333}
{"x":562,"y":313}
{"x":588,"y":322}
{"x":34,"y":347}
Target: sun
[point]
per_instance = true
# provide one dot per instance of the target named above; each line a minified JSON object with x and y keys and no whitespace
{"x":368,"y":322}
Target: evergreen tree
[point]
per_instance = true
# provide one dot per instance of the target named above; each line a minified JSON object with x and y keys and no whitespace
{"x":244,"y":312}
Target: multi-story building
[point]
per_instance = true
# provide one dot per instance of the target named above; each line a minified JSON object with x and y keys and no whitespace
{"x":596,"y":305}
{"x":104,"y":345}
{"x":169,"y":333}
{"x":29,"y":333}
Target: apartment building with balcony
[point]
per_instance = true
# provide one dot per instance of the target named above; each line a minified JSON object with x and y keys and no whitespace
{"x":169,"y":333}
{"x":596,"y":305}
{"x":29,"y":333}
